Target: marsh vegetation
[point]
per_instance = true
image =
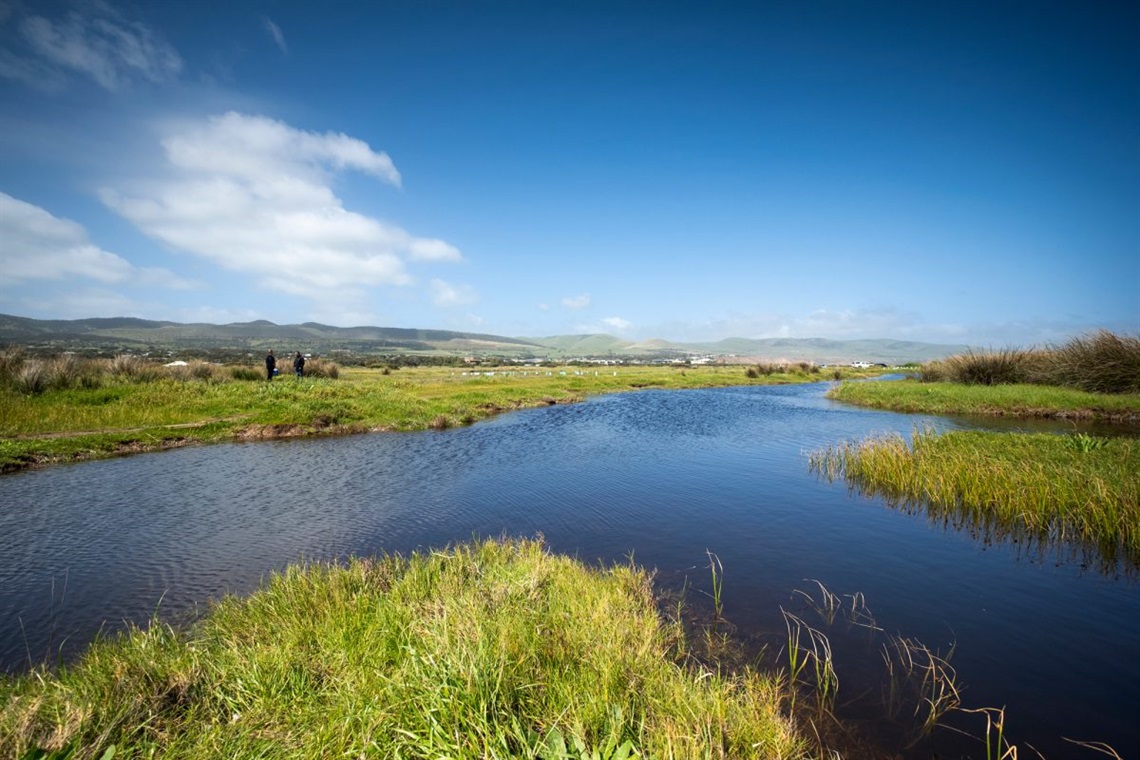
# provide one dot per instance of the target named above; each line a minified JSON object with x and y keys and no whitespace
{"x":64,"y":408}
{"x":1045,"y":490}
{"x":495,"y":649}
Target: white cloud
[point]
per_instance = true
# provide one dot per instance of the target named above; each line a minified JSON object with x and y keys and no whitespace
{"x":253,"y":195}
{"x":446,"y":295}
{"x":40,"y":246}
{"x":617,"y":323}
{"x":576,"y":302}
{"x":275,"y":33}
{"x":95,"y":41}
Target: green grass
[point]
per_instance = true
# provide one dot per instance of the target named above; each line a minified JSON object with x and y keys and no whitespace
{"x":994,"y":400}
{"x":489,"y":650}
{"x":123,"y":415}
{"x":1052,"y":490}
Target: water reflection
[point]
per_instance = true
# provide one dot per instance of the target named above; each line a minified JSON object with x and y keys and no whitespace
{"x":659,"y":475}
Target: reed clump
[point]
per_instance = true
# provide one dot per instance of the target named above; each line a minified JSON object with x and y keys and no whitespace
{"x":492,"y":649}
{"x":768,"y":369}
{"x":34,"y":376}
{"x":322,"y":368}
{"x":1099,"y":363}
{"x":37,"y":375}
{"x":1045,"y":490}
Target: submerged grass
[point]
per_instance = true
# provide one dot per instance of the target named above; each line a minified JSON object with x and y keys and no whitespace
{"x":489,"y":650}
{"x":1052,"y":490}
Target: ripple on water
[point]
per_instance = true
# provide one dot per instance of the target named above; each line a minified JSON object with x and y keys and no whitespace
{"x":662,"y":475}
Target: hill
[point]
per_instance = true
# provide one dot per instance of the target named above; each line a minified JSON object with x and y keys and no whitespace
{"x":142,"y":336}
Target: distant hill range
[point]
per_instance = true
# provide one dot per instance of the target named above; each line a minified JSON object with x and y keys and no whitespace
{"x":141,"y":335}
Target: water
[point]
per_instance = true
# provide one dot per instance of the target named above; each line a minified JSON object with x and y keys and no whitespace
{"x":659,"y":475}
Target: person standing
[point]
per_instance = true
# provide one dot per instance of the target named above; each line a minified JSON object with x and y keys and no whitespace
{"x":270,"y":365}
{"x":299,"y":365}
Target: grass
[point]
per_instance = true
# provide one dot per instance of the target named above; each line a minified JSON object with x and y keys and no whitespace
{"x":1050,"y":490}
{"x":136,"y":410}
{"x":488,"y":650}
{"x":998,"y":400}
{"x":1102,"y":362}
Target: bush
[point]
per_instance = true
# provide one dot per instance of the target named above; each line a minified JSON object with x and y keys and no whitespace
{"x":245,"y":373}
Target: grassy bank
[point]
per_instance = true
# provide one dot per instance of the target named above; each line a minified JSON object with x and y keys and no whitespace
{"x":492,"y":650}
{"x":1039,"y":401}
{"x":1051,"y":490}
{"x":115,"y":414}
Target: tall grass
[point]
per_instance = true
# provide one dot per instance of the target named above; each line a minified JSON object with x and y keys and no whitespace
{"x":1048,"y":491}
{"x":1099,"y":363}
{"x":497,"y":649}
{"x":33,"y":376}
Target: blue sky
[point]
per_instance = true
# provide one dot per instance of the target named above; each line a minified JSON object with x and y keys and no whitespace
{"x":940,"y":171}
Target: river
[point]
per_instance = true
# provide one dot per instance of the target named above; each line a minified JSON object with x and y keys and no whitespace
{"x":664,"y":476}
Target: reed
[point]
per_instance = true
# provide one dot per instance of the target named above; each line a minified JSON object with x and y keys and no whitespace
{"x":807,"y":646}
{"x":1044,"y":490}
{"x":489,"y":649}
{"x":912,"y":663}
{"x":1102,"y":362}
{"x":717,"y":570}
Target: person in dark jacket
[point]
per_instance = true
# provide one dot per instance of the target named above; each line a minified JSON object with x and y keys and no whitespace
{"x":270,"y":365}
{"x":299,"y":365}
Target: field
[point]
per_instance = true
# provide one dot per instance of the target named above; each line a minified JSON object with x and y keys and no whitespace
{"x":107,"y":414}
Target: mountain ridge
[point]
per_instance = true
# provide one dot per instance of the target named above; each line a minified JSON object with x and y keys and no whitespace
{"x":132,"y":333}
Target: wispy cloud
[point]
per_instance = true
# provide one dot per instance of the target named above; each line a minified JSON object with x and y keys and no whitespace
{"x":275,"y":33}
{"x":617,"y":323}
{"x":93,"y":40}
{"x":40,"y":246}
{"x":446,"y":295}
{"x":253,"y":195}
{"x":576,"y":302}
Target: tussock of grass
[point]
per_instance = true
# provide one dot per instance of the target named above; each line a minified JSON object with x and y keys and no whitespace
{"x":491,"y":650}
{"x":1099,"y":363}
{"x":1052,"y":490}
